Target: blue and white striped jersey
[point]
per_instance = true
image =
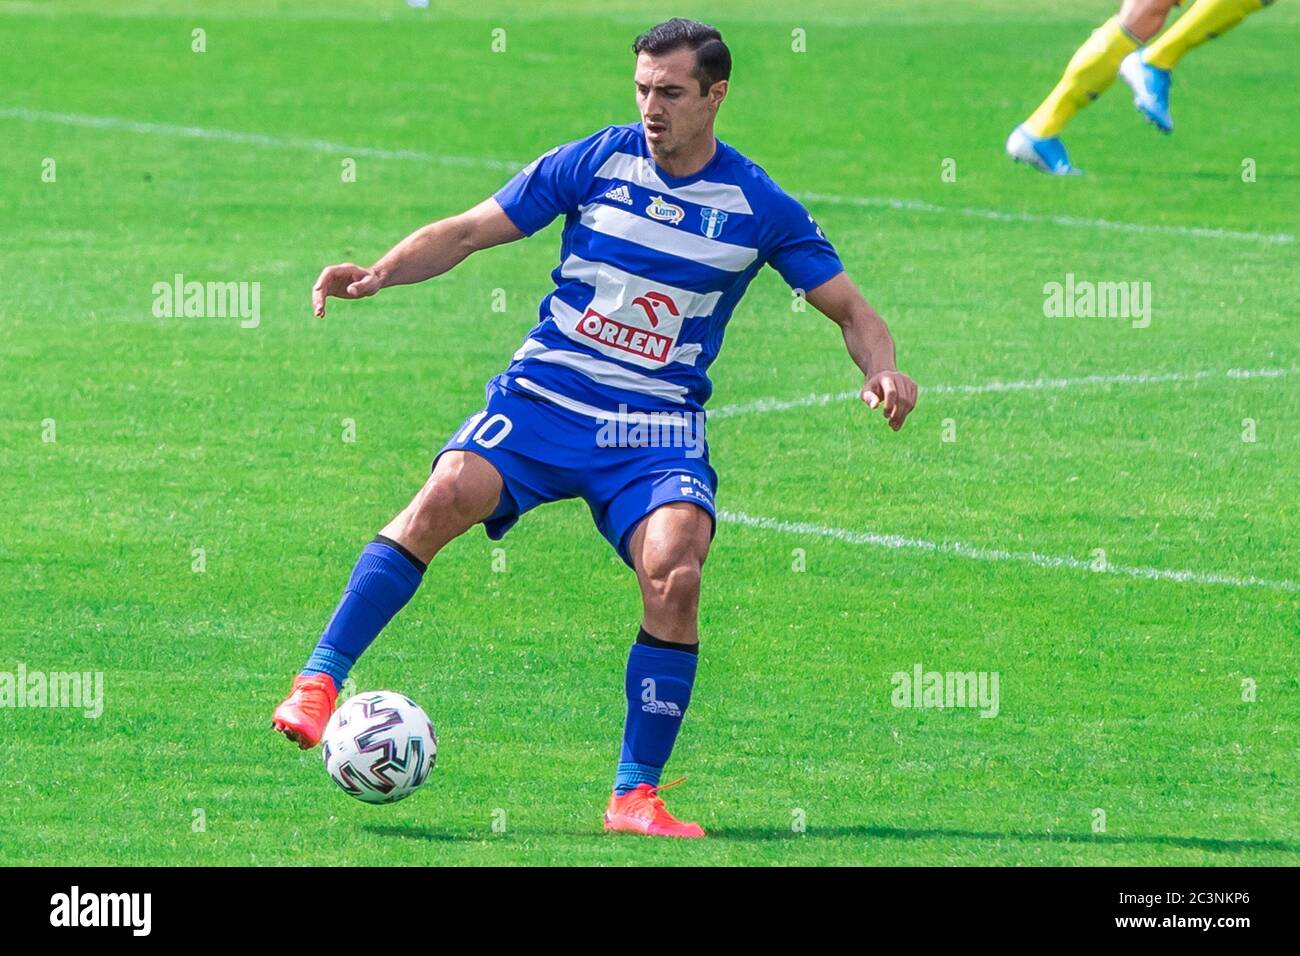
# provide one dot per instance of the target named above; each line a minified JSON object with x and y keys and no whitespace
{"x":651,"y":267}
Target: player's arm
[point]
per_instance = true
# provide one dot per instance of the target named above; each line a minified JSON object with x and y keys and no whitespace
{"x":871,"y":346}
{"x":425,"y":253}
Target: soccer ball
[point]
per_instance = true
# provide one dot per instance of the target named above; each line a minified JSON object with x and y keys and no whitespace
{"x":379,"y":746}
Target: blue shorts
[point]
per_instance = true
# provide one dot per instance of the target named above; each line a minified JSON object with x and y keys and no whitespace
{"x":545,"y":452}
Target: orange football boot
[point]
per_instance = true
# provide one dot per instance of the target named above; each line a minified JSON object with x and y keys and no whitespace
{"x":305,"y":712}
{"x":642,"y":810}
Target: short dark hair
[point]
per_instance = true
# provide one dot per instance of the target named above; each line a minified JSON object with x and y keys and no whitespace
{"x":712,"y":58}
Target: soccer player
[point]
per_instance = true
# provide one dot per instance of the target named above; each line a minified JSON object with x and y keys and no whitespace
{"x":1113,"y":47}
{"x":664,"y":228}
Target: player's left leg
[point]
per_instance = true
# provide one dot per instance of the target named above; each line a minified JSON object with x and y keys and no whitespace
{"x":1148,"y":71}
{"x":668,"y":550}
{"x":1089,"y":73}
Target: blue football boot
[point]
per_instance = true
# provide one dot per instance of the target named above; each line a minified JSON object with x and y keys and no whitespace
{"x":1045,"y":154}
{"x":1150,"y":86}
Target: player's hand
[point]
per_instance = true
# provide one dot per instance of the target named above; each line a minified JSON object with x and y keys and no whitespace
{"x":346,"y":281}
{"x":893,"y":393}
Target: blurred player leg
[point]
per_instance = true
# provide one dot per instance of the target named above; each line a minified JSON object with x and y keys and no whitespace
{"x":668,"y":549}
{"x":1205,"y":20}
{"x":1147,"y":71}
{"x":1090,"y":71}
{"x":463,"y":490}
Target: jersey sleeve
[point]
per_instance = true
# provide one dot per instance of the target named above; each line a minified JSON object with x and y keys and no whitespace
{"x":801,"y":253}
{"x":549,"y":186}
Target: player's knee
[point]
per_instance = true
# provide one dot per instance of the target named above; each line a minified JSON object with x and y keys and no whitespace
{"x":445,"y":498}
{"x":1144,"y":18}
{"x":443,"y":509}
{"x":673,"y":583}
{"x":1159,"y":12}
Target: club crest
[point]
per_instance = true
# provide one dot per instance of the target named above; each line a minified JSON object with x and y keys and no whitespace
{"x":711,"y":221}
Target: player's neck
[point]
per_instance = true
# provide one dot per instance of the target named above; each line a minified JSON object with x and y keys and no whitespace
{"x":685,"y":162}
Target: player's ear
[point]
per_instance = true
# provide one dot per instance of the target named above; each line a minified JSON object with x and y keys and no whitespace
{"x":717,"y":93}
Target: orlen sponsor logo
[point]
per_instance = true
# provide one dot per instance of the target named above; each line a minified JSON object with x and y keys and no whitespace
{"x":629,"y":338}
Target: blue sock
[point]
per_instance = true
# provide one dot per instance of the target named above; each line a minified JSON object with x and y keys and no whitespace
{"x":658,"y":687}
{"x":385,"y":577}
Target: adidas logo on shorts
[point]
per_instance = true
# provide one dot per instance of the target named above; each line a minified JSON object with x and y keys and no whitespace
{"x":620,"y":194}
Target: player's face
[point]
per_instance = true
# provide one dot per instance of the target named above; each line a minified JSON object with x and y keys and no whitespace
{"x":673,"y":112}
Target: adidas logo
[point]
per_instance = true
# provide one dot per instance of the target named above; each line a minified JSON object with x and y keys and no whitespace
{"x":665,"y":707}
{"x":652,"y":705}
{"x":620,"y":194}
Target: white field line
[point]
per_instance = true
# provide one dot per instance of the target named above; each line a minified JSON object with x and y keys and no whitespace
{"x":252,"y":139}
{"x":975,"y":553}
{"x":917,"y":205}
{"x":874,"y":202}
{"x":1031,"y":385}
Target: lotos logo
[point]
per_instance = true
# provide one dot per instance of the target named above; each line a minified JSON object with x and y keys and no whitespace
{"x":664,"y":211}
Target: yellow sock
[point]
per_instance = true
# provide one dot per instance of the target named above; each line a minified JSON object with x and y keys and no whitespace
{"x":1092,"y":68}
{"x":1206,"y":20}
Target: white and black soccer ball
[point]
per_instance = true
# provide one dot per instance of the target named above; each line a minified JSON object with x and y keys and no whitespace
{"x":379,"y":746}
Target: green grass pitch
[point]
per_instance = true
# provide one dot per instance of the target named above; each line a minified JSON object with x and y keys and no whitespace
{"x":1118,"y":692}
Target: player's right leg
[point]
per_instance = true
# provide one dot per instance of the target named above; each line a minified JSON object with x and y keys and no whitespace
{"x":1148,"y":72}
{"x":463,"y":490}
{"x":1090,"y":71}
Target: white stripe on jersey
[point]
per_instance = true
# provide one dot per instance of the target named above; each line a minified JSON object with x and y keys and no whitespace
{"x":638,"y":170}
{"x":673,"y":240}
{"x":582,"y":408}
{"x":602,"y":372}
{"x":528,"y":170}
{"x":627,"y":286}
